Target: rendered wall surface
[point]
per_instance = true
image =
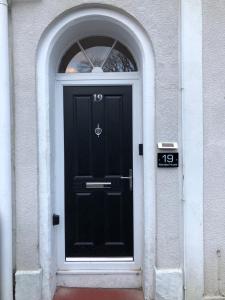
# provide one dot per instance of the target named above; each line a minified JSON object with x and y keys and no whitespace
{"x":214,"y":145}
{"x":161,"y":21}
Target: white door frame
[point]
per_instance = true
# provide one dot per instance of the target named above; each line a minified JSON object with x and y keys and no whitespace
{"x":92,"y":79}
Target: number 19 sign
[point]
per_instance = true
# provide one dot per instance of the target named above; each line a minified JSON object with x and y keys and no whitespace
{"x":168,"y":160}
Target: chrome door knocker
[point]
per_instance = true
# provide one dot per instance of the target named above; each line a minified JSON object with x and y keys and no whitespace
{"x":98,"y":130}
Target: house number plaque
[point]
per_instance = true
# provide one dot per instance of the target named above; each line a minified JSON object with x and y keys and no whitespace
{"x":168,"y":160}
{"x":97,"y":97}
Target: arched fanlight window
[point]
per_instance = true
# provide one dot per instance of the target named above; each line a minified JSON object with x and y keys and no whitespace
{"x":97,"y":54}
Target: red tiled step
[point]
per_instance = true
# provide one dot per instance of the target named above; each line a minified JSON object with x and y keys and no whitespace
{"x":97,"y":294}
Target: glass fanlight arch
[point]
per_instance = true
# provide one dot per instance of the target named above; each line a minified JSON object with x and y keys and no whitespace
{"x":97,"y":54}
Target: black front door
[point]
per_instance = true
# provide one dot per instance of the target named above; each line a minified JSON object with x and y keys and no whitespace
{"x":98,"y":171}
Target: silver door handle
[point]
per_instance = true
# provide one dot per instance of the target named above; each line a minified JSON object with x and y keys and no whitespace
{"x":130,"y":178}
{"x":98,"y":185}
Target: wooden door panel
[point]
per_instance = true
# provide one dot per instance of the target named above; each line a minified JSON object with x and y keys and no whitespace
{"x":82,"y":134}
{"x":98,"y":221}
{"x":113,"y":127}
{"x":113,"y":219}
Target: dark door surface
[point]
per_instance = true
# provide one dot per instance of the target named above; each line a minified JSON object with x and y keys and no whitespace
{"x":98,"y":171}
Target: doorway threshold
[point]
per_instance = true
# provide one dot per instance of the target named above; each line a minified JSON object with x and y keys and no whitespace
{"x":63,"y":293}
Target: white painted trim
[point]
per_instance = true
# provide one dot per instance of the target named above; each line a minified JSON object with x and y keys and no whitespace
{"x":6,"y":268}
{"x":76,"y":264}
{"x":192,"y":123}
{"x":98,"y":76}
{"x":169,"y":284}
{"x":99,"y":259}
{"x":136,"y":39}
{"x":98,"y":272}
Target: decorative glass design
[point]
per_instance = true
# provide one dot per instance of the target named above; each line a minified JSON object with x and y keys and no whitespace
{"x":97,"y":54}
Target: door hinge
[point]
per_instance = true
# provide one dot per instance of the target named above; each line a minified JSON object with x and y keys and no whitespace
{"x":140,"y":147}
{"x":55,"y":219}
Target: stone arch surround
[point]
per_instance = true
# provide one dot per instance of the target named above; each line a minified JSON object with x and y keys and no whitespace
{"x":81,"y":22}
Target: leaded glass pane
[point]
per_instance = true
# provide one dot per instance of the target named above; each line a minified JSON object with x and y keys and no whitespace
{"x":120,"y":60}
{"x":97,"y":53}
{"x":97,"y":49}
{"x":79,"y":64}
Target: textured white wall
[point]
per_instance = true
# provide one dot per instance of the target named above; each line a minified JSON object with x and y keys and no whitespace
{"x":160,"y":19}
{"x":214,"y":145}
